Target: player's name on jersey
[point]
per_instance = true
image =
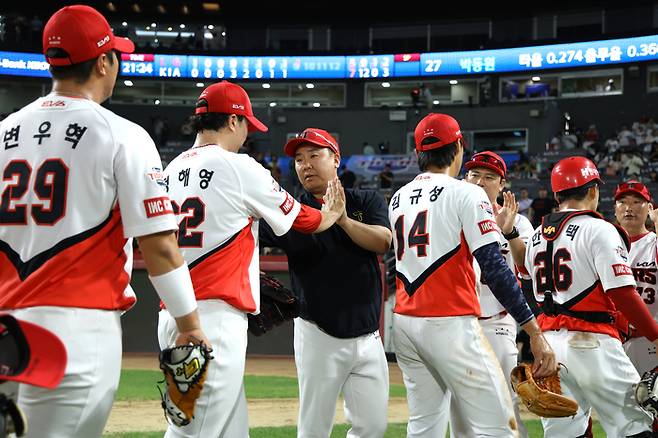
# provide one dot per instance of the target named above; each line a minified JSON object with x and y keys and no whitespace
{"x":12,"y":135}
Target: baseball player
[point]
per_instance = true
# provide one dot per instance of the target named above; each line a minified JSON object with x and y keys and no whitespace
{"x":440,"y":224}
{"x":632,"y":208}
{"x":337,"y":279}
{"x":79,"y":182}
{"x":488,"y":170}
{"x":219,"y":197}
{"x":582,"y":280}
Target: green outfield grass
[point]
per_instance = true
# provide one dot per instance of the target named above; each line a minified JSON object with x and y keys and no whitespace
{"x":396,"y":430}
{"x":140,"y":385}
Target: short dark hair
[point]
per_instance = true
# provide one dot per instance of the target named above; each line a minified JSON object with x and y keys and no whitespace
{"x":80,"y":72}
{"x":211,"y":121}
{"x":577,"y":194}
{"x":440,"y":157}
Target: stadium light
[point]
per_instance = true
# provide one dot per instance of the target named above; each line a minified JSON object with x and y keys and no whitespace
{"x":266,"y":85}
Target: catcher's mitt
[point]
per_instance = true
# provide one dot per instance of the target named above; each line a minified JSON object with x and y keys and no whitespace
{"x":542,"y":396}
{"x":185,"y":368}
{"x":277,"y":304}
{"x":646,"y":392}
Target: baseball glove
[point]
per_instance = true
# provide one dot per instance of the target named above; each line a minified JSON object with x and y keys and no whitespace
{"x":185,"y":368}
{"x":277,"y":305}
{"x":542,"y":396}
{"x":646,"y":392}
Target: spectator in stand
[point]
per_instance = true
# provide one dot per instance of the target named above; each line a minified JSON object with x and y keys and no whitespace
{"x":570,"y":141}
{"x":611,"y":144}
{"x":347,"y":177}
{"x":653,"y":176}
{"x":524,"y":202}
{"x":541,"y":206}
{"x":612,"y":164}
{"x":386,"y":177}
{"x":653,"y":153}
{"x":632,"y":166}
{"x":556,"y":142}
{"x":367,"y":149}
{"x":624,"y":136}
{"x":591,"y":136}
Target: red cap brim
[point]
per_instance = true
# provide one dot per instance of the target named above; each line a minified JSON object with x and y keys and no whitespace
{"x":47,"y":357}
{"x":293,"y":144}
{"x":471,"y":164}
{"x":634,"y":192}
{"x":255,"y":124}
{"x":123,"y":45}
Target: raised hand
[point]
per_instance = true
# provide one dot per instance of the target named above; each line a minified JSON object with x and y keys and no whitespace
{"x":507,"y":213}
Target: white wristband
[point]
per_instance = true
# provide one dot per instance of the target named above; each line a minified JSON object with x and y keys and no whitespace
{"x":176,"y":291}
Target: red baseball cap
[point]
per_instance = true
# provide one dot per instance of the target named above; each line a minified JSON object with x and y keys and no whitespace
{"x":634,"y":187}
{"x":83,"y":33}
{"x":442,"y":127}
{"x":489,"y":160}
{"x":318,"y":137}
{"x":30,"y":354}
{"x":228,"y":98}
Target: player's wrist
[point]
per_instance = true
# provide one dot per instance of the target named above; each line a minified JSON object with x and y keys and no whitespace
{"x":513,"y":233}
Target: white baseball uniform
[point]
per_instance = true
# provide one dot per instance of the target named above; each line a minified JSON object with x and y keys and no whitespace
{"x":439,"y":221}
{"x":219,"y":197}
{"x":589,"y":258}
{"x":78,"y":183}
{"x":500,"y":330}
{"x":642,"y":259}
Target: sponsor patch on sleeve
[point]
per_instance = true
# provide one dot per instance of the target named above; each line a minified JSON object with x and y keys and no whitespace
{"x":620,"y":269}
{"x":288,"y":204}
{"x":487,"y":226}
{"x":157,"y":206}
{"x":486,"y":206}
{"x":156,"y":175}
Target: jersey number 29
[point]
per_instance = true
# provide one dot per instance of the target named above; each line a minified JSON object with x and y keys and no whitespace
{"x":50,"y":185}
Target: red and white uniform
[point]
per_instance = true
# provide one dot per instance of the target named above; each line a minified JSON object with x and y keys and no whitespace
{"x":438,"y":222}
{"x":78,"y":182}
{"x":500,"y":329}
{"x":589,"y":258}
{"x":219,"y":197}
{"x":642,"y":260}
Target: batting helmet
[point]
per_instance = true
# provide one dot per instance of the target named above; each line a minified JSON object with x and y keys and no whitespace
{"x":573,"y":172}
